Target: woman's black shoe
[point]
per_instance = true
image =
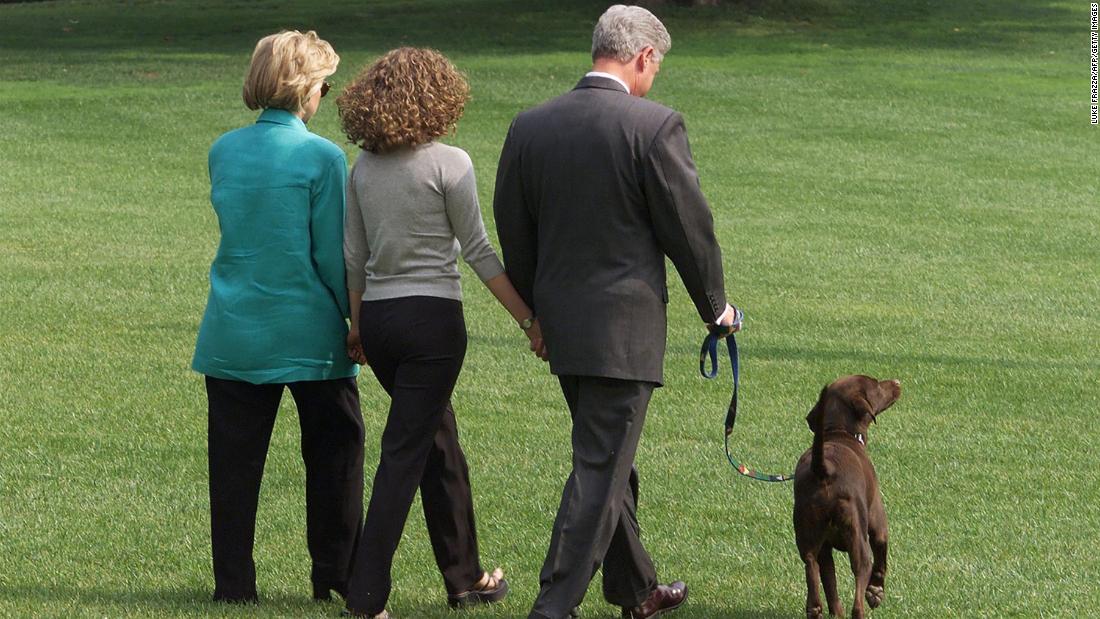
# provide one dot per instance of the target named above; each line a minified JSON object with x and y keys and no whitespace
{"x":236,"y":599}
{"x":323,"y":593}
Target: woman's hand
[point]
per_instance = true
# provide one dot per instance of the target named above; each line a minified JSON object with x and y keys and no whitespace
{"x":355,"y":347}
{"x":538,"y":346}
{"x":354,"y":343}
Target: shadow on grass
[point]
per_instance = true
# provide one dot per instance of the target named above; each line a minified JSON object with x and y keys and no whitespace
{"x":703,"y":611}
{"x":39,"y":600}
{"x":30,"y":597}
{"x":503,"y":27}
{"x":42,"y":599}
{"x":938,"y":24}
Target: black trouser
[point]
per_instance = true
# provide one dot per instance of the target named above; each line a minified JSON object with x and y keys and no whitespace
{"x":241,"y":416}
{"x":597,"y":522}
{"x":415,"y":346}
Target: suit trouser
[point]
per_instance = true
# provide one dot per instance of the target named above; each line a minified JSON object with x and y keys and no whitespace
{"x":597,"y":520}
{"x":241,"y":417}
{"x":415,"y":346}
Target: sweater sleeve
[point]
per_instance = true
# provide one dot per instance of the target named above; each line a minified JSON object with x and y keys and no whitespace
{"x":464,"y":213}
{"x":326,"y":229}
{"x":356,"y":247}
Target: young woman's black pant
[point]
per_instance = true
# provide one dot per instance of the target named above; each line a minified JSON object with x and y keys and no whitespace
{"x":241,"y":416}
{"x":415,"y":346}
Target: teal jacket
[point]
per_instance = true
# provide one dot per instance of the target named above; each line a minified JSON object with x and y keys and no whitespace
{"x":278,"y":293}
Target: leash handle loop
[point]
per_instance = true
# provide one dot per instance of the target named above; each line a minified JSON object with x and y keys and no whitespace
{"x":710,"y":347}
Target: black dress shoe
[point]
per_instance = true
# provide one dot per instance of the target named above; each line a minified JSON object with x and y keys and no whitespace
{"x":663,"y":599}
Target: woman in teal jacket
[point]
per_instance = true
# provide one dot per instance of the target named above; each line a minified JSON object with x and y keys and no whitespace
{"x":275,"y":318}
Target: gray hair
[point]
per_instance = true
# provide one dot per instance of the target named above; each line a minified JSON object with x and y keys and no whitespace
{"x":624,"y":30}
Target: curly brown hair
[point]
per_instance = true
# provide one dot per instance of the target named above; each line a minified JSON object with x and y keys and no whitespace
{"x":407,"y":97}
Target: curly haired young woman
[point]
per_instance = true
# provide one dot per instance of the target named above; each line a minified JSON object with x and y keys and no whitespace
{"x":412,"y":210}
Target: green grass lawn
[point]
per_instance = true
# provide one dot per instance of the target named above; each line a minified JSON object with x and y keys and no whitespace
{"x":902,"y":189}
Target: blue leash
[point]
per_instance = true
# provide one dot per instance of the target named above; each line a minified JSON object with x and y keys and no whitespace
{"x":710,"y":347}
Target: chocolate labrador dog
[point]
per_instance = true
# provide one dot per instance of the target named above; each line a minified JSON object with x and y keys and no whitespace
{"x":837,"y":504}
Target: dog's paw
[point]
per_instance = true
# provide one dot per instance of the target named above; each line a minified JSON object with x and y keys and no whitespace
{"x":815,"y":612}
{"x":874,"y":595}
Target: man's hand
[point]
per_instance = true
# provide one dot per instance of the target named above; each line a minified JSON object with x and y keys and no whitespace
{"x":537,"y":345}
{"x":731,"y":318}
{"x":355,"y":348}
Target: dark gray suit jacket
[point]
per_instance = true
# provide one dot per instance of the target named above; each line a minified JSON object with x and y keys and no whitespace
{"x":593,"y":190}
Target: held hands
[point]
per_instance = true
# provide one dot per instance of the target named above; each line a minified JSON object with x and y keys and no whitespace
{"x":537,"y":345}
{"x":355,"y":347}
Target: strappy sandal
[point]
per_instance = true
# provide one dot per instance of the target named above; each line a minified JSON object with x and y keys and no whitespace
{"x":489,"y":589}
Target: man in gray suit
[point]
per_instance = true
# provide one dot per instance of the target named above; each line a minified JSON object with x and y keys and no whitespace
{"x":594,"y":189}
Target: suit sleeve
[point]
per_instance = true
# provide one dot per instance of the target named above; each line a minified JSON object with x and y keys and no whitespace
{"x":517,"y":231}
{"x":326,"y":230}
{"x":682,"y":219}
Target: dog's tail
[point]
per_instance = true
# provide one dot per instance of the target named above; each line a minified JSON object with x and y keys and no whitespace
{"x":816,"y":419}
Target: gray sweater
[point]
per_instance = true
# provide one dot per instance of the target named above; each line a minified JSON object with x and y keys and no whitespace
{"x":409,"y":214}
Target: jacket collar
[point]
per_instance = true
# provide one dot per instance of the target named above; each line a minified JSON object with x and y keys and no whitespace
{"x":594,"y":81}
{"x":281,"y":117}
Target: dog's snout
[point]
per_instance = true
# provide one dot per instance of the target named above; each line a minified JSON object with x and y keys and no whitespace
{"x":895,"y":386}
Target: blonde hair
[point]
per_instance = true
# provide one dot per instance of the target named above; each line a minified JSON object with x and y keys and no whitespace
{"x":407,"y":97}
{"x":285,"y":69}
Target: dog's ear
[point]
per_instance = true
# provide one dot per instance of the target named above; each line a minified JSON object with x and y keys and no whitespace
{"x":862,"y":408}
{"x":816,"y":417}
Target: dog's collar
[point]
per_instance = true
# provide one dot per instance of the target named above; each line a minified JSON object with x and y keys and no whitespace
{"x":858,"y":436}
